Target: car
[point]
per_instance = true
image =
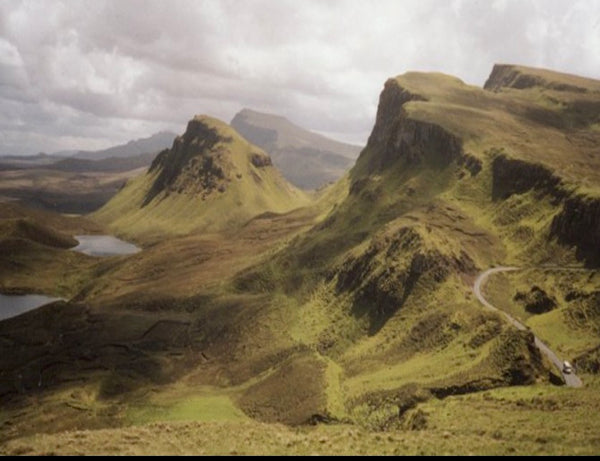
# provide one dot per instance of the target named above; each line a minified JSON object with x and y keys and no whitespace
{"x":567,"y":368}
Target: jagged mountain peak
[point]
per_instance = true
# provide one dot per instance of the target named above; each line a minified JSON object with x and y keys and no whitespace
{"x":211,"y":178}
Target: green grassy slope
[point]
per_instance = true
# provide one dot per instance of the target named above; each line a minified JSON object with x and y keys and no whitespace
{"x":437,"y":195}
{"x":355,"y":311}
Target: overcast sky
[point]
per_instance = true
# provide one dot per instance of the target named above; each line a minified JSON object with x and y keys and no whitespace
{"x":88,"y":74}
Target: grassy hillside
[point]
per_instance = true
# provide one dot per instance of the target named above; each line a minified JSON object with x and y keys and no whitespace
{"x":209,"y":181}
{"x":454,"y":179}
{"x":247,"y":318}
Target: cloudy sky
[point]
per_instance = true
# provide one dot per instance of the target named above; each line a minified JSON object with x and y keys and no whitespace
{"x":88,"y":74}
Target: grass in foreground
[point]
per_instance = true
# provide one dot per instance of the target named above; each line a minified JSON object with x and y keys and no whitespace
{"x":538,"y":420}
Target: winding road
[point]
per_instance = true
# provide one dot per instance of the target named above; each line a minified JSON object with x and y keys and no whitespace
{"x":571,"y":379}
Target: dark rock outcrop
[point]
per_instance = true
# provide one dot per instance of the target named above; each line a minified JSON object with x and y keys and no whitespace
{"x":260,"y":160}
{"x":396,"y":136}
{"x":196,"y":144}
{"x":537,"y":301}
{"x":512,"y":176}
{"x":471,"y":163}
{"x":578,"y":225}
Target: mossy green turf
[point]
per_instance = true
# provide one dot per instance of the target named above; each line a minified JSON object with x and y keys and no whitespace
{"x":532,"y":420}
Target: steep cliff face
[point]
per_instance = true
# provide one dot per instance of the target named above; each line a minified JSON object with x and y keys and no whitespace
{"x":513,"y":176}
{"x":578,"y":224}
{"x":520,"y":77}
{"x":391,"y":100}
{"x":398,"y":137}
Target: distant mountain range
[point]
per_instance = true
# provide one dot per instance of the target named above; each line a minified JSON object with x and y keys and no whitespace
{"x":308,"y":160}
{"x":153,"y":144}
{"x":124,"y":157}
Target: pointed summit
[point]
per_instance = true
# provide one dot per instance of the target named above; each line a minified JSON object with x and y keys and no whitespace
{"x":211,"y":179}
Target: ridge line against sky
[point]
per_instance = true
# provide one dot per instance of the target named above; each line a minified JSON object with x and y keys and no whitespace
{"x":89,"y":74}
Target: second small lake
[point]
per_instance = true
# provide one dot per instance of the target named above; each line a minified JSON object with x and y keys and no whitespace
{"x":13,"y":305}
{"x":104,"y":245}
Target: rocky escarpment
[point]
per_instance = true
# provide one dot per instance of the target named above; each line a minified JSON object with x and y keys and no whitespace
{"x":513,"y":176}
{"x":510,"y":76}
{"x":578,"y":222}
{"x":198,"y":163}
{"x":578,"y":225}
{"x":396,"y":136}
{"x":575,"y":101}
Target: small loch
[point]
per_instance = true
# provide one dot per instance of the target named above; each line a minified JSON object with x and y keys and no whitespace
{"x":13,"y":305}
{"x":104,"y":245}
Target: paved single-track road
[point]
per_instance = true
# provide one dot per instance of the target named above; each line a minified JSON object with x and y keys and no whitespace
{"x":571,"y":379}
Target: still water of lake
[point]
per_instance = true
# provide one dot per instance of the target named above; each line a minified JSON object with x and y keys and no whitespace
{"x":93,"y":245}
{"x":104,"y":245}
{"x":13,"y":305}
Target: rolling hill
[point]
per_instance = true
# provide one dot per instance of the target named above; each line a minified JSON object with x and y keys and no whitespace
{"x":308,"y":160}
